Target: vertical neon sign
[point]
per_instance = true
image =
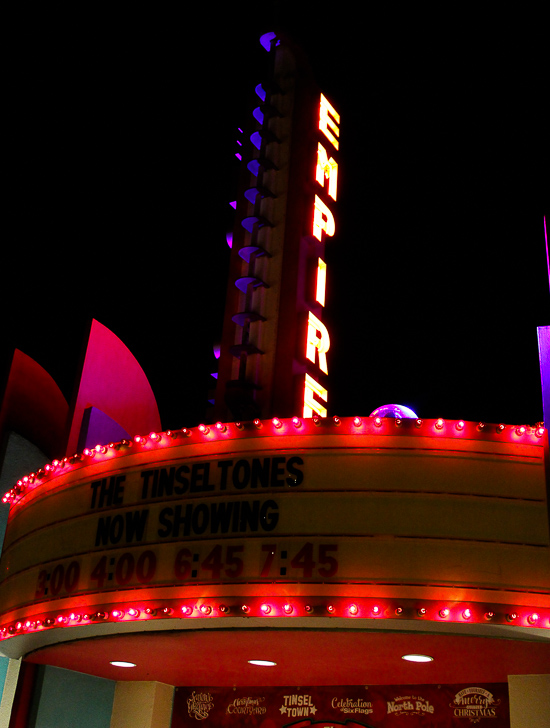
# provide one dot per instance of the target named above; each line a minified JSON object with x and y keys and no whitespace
{"x":318,"y":338}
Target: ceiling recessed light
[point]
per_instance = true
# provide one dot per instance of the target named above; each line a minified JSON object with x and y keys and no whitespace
{"x":417,"y":658}
{"x":264,"y":663}
{"x":121,"y":663}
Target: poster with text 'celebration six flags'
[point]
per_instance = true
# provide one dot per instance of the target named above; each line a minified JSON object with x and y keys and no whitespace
{"x":379,"y":706}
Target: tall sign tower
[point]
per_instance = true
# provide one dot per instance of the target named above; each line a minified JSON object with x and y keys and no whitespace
{"x":274,"y":357}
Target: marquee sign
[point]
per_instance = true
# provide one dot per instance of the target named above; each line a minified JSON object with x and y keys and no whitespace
{"x":376,"y":706}
{"x":274,"y":346}
{"x":262,"y":504}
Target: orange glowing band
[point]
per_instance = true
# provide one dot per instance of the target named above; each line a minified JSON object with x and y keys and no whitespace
{"x":326,"y":169}
{"x":311,"y":405}
{"x":329,"y":119}
{"x":321,"y":282}
{"x":323,"y":220}
{"x":317,"y":344}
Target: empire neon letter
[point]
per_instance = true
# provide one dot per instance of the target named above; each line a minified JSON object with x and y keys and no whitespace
{"x":326,"y":168}
{"x":327,"y":124}
{"x":322,"y":220}
{"x":310,"y":405}
{"x":315,"y":343}
{"x":321,"y":281}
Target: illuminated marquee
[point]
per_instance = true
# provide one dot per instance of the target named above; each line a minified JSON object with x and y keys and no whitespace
{"x":318,"y":338}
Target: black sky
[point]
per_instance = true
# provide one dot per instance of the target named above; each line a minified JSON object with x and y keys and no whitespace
{"x":120,"y":167}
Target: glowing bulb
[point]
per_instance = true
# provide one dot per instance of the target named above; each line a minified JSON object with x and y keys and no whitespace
{"x":117,"y":613}
{"x":418,"y":423}
{"x":357,"y":421}
{"x":297,"y":422}
{"x":443,"y":613}
{"x":122,"y":663}
{"x":489,"y":615}
{"x":265,"y":608}
{"x":186,"y":610}
{"x":376,"y":611}
{"x":520,"y":430}
{"x":417,"y":658}
{"x":133,"y":612}
{"x":336,"y":420}
{"x":288,"y":609}
{"x":257,"y":423}
{"x":439,"y":423}
{"x":467,"y":613}
{"x":205,"y":609}
{"x":539,"y":432}
{"x":220,"y":427}
{"x":204,"y":429}
{"x":331,"y":608}
{"x":276,"y":422}
{"x":353,"y":609}
{"x":262,"y":663}
{"x":154,"y":436}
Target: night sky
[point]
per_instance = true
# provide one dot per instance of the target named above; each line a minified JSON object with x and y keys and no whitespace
{"x":120,"y":169}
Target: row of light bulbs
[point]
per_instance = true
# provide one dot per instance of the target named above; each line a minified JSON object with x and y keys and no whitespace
{"x":294,"y":424}
{"x":360,"y":608}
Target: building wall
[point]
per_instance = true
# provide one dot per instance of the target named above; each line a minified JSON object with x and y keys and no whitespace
{"x":66,"y":699}
{"x":529,"y":701}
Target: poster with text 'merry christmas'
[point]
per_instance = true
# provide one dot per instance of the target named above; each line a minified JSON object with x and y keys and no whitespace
{"x":380,"y":706}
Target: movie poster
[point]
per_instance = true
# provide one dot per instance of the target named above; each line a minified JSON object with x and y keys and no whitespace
{"x":389,"y":706}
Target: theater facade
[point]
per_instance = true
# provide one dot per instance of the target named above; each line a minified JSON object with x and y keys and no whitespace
{"x":300,"y":570}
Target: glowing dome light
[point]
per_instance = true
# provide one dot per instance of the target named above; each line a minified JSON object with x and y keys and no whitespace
{"x":122,"y":663}
{"x":394,"y":410}
{"x":262,"y":663}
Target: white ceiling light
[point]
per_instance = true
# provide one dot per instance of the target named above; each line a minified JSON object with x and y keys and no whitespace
{"x":417,"y":658}
{"x":121,"y":663}
{"x":263,"y":663}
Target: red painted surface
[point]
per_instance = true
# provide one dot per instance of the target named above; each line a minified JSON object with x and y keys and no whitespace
{"x":113,"y":381}
{"x":34,"y":406}
{"x":303,"y":657}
